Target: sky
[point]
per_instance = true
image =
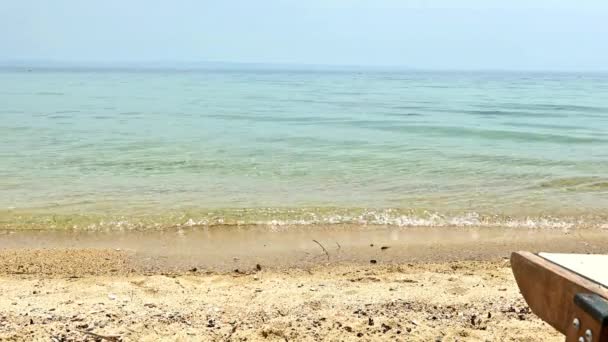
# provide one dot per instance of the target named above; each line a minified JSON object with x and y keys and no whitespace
{"x":441,"y":34}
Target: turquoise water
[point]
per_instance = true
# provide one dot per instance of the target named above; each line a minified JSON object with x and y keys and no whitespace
{"x":125,"y":149}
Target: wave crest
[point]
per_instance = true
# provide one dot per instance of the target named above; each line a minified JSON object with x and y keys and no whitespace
{"x":285,"y":218}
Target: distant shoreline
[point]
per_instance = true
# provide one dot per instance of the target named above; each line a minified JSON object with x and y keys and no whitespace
{"x":30,"y":66}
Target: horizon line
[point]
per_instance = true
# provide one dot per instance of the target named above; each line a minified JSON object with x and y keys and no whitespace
{"x":226,"y":65}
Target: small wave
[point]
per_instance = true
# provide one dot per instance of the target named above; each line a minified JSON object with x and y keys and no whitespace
{"x":59,"y":116}
{"x":515,"y":114}
{"x":66,"y":112}
{"x":577,"y":183}
{"x":492,"y":134}
{"x":549,"y":108}
{"x":547,"y":126}
{"x":506,"y":113}
{"x":403,"y":114}
{"x":277,"y":219}
{"x":569,"y":107}
{"x":49,"y":93}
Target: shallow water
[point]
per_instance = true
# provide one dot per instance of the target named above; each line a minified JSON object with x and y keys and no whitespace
{"x":107,"y":149}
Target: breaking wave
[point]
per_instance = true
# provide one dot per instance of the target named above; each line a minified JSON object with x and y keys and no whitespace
{"x":286,"y":218}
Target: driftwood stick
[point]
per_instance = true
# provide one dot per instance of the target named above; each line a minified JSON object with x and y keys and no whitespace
{"x":324,"y":250}
{"x":109,"y":338}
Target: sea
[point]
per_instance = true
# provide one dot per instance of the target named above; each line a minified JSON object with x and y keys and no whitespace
{"x":161,"y":148}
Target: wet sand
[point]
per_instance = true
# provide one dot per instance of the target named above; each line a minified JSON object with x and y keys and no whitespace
{"x":206,"y":285}
{"x":223,"y":249}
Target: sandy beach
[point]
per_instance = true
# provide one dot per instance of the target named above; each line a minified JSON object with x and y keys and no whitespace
{"x":381,"y":284}
{"x":302,"y":170}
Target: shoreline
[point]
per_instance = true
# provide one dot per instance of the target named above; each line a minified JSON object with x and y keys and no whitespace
{"x":429,"y":284}
{"x":221,"y":250}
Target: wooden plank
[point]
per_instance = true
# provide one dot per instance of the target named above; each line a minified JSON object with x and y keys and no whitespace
{"x":549,"y":289}
{"x":591,"y":266}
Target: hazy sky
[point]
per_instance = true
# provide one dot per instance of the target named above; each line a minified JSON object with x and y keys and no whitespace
{"x":449,"y":34}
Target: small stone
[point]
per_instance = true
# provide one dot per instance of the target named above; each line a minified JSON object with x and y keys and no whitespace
{"x":258,"y":267}
{"x":112,"y":296}
{"x":193,"y":269}
{"x":373,"y":261}
{"x":384,"y":248}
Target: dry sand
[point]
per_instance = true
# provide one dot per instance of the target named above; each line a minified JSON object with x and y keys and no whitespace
{"x":460,"y":289}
